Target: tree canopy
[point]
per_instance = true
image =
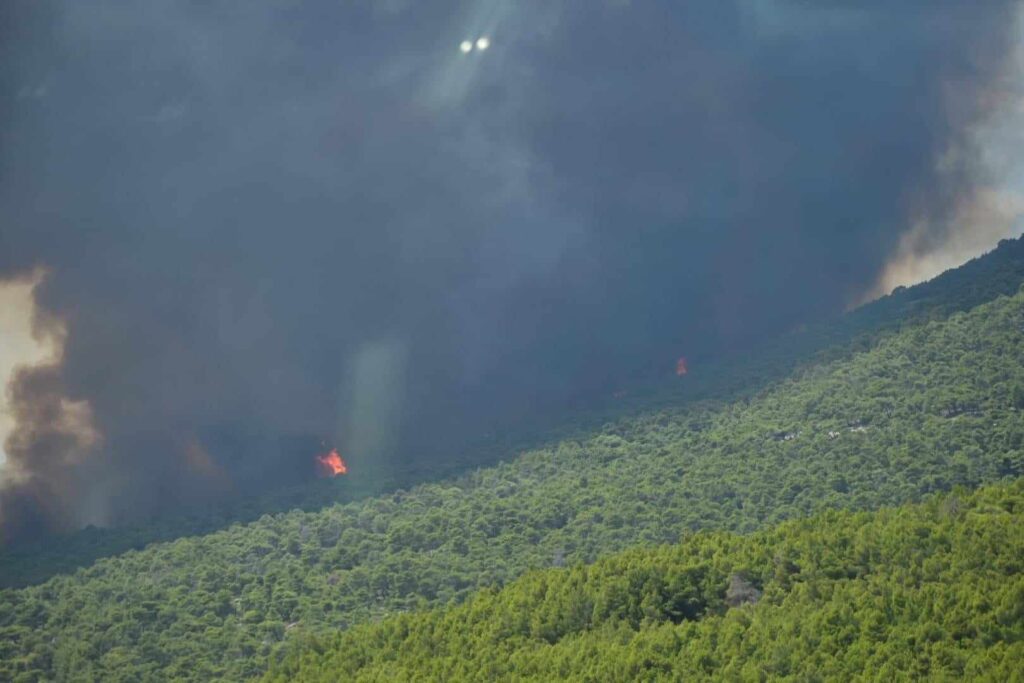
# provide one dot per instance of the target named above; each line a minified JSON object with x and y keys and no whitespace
{"x":925,"y":408}
{"x":932,"y":591}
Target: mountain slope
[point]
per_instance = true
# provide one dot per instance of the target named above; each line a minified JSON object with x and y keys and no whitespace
{"x":933,"y":591}
{"x":928,"y":408}
{"x":1000,"y":272}
{"x":733,"y":377}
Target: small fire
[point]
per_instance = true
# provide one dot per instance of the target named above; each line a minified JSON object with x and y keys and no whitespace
{"x":331,"y":464}
{"x":681,"y":368}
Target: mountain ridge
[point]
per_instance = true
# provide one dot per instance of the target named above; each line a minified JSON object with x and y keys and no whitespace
{"x":928,"y":407}
{"x":890,"y":593}
{"x":998,"y":272}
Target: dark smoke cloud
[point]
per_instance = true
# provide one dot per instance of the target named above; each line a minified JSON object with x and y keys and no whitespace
{"x":287,"y":220}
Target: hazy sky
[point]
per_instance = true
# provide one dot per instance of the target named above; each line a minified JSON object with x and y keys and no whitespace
{"x":325,"y":219}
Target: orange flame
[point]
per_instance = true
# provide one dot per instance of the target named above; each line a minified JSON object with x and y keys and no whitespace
{"x":681,"y":368}
{"x":331,"y":464}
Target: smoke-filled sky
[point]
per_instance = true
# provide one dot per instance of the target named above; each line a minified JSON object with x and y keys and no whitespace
{"x":325,"y":219}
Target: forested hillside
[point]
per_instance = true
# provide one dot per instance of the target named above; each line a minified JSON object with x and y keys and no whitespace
{"x":929,"y":407}
{"x":923,"y":592}
{"x":933,"y":591}
{"x":733,"y":377}
{"x":999,"y":272}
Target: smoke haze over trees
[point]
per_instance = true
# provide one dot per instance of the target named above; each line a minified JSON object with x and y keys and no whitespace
{"x":324,"y":221}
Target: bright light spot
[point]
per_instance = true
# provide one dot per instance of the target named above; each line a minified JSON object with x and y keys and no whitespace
{"x":466,"y":45}
{"x":483,"y":43}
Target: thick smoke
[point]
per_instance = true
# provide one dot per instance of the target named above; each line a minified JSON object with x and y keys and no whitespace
{"x":280,"y":220}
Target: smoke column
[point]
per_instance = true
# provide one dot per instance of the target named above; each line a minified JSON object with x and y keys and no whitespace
{"x":325,"y":220}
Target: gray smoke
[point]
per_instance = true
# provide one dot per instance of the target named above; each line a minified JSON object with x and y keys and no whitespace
{"x":323,"y":219}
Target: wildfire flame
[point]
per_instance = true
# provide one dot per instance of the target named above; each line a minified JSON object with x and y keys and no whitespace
{"x":681,"y":368}
{"x":331,"y":464}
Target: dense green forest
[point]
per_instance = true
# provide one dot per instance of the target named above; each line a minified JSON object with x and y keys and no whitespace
{"x":920,"y":408}
{"x":734,"y":377}
{"x":932,"y":591}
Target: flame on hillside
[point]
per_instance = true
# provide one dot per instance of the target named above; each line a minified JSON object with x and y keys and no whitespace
{"x":330,"y":464}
